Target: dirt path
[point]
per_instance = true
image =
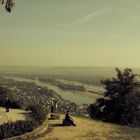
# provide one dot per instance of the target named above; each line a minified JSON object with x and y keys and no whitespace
{"x":87,"y":129}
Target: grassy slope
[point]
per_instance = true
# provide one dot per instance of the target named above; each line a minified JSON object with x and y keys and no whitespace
{"x":87,"y":129}
{"x":13,"y":115}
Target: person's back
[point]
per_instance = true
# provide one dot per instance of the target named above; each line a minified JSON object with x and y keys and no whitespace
{"x":68,"y":119}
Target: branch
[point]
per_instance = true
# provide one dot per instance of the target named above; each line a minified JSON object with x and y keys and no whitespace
{"x":9,"y":4}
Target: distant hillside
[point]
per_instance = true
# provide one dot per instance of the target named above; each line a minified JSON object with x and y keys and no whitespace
{"x":88,"y":75}
{"x":60,"y":70}
{"x":57,"y":70}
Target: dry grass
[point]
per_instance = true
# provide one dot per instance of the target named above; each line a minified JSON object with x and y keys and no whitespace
{"x":87,"y":129}
{"x":13,"y":115}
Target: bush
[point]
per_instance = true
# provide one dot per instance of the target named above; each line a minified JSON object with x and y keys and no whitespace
{"x":15,"y":128}
{"x":38,"y":113}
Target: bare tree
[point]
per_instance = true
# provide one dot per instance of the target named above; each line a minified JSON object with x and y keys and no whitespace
{"x":9,"y":4}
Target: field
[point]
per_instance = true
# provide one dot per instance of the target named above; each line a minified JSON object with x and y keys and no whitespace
{"x":87,"y":129}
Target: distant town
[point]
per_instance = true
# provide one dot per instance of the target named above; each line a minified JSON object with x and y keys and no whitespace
{"x":27,"y":93}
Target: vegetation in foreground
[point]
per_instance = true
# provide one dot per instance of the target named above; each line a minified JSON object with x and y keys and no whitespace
{"x":121,"y":103}
{"x":36,"y":117}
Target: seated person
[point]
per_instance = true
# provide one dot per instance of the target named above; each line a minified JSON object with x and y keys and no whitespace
{"x":68,"y":120}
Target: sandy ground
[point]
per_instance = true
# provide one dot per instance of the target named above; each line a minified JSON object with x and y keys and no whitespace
{"x":87,"y":129}
{"x":13,"y":115}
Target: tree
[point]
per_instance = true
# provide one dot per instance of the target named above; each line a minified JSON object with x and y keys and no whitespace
{"x":3,"y":95}
{"x":6,"y":94}
{"x":121,"y":103}
{"x":9,"y":4}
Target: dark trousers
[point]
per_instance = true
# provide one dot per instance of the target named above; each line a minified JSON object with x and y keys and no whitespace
{"x":7,"y":109}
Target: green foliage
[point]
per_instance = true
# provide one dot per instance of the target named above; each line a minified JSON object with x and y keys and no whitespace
{"x":15,"y":128}
{"x":123,"y":84}
{"x":4,"y":93}
{"x":121,"y":103}
{"x":38,"y":113}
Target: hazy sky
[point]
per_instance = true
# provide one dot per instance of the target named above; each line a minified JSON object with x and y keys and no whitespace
{"x":71,"y":33}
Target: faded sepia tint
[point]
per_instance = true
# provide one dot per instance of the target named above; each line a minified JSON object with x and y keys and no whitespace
{"x":71,"y":33}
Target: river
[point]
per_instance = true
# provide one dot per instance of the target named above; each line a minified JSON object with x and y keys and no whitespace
{"x":77,"y":98}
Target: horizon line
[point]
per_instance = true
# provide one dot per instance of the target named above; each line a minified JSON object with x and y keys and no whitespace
{"x":67,"y":66}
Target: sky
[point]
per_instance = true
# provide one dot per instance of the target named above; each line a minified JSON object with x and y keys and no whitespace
{"x":71,"y":33}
